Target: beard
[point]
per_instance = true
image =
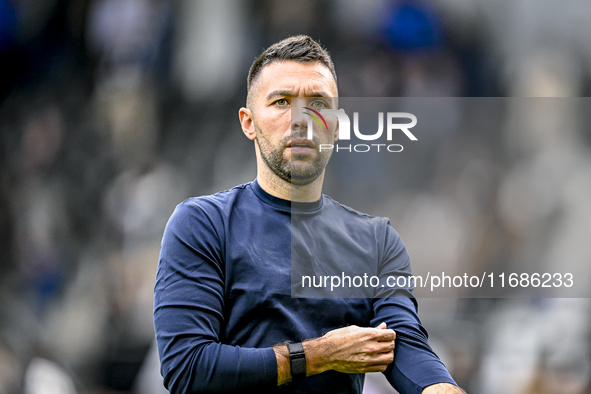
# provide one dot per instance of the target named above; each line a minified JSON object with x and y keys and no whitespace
{"x":295,"y":173}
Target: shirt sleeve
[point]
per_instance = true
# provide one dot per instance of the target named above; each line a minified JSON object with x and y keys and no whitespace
{"x":188,"y":312}
{"x":415,"y":364}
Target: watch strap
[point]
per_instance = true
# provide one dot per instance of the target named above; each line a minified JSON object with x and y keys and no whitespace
{"x":297,"y":358}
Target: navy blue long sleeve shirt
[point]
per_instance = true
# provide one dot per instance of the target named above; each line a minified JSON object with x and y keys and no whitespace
{"x":223,"y":294}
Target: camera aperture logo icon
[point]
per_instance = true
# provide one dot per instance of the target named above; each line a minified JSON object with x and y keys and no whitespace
{"x":315,"y":117}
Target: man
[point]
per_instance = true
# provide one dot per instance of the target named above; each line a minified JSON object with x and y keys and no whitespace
{"x":223,"y":310}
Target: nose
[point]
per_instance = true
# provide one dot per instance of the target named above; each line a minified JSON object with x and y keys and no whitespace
{"x":298,"y":118}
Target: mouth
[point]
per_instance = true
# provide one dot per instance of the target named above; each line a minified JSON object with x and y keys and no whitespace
{"x":301,"y":143}
{"x":301,"y":147}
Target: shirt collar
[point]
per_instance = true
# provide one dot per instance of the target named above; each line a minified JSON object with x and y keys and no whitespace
{"x":285,"y":205}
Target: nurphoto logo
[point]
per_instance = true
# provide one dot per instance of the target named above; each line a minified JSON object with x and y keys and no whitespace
{"x":345,"y":129}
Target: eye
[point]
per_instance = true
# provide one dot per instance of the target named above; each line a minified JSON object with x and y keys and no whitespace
{"x":319,"y":104}
{"x":282,"y":102}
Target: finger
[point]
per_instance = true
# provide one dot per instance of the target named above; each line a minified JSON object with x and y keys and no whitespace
{"x":382,"y":358}
{"x":385,"y":334}
{"x":382,"y":347}
{"x":382,"y":325}
{"x":389,"y":346}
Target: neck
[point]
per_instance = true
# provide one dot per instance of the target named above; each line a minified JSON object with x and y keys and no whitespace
{"x":280,"y":188}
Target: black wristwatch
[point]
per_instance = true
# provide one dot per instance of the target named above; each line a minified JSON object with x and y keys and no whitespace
{"x":297,"y":358}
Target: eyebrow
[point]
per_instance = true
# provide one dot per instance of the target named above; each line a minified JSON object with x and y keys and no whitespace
{"x":290,"y":93}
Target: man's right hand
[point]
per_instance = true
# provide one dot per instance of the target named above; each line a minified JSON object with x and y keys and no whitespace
{"x":351,"y":349}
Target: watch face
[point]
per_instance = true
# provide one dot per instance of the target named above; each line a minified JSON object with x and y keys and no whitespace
{"x":295,"y":349}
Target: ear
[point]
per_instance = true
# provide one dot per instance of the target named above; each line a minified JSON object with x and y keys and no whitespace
{"x":247,"y":123}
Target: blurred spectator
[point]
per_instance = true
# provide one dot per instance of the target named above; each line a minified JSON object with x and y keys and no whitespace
{"x":542,"y":346}
{"x":45,"y":377}
{"x":127,"y":37}
{"x":41,"y":226}
{"x":10,"y":370}
{"x":209,"y":49}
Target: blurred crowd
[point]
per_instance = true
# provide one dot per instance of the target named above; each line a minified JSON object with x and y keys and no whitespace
{"x":114,"y":111}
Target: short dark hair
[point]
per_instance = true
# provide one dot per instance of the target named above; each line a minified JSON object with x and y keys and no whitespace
{"x":300,"y":48}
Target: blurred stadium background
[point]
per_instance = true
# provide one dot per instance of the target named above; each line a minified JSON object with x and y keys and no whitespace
{"x":114,"y":111}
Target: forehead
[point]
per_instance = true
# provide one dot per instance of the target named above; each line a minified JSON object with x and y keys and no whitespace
{"x":301,"y":79}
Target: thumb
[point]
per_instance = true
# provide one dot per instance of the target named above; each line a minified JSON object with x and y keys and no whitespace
{"x":382,"y":325}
